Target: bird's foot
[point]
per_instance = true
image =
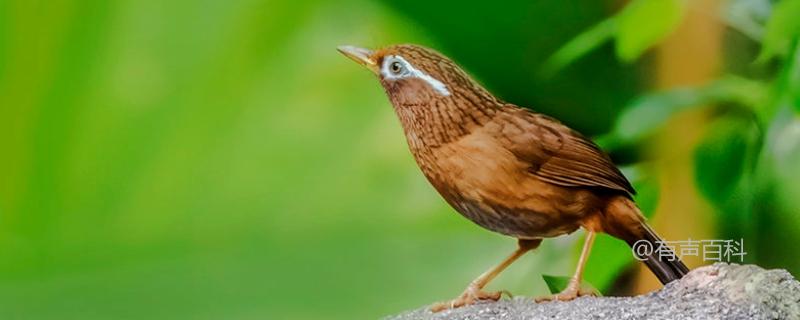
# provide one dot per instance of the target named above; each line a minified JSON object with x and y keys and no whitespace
{"x":572,"y":291}
{"x":469,"y":296}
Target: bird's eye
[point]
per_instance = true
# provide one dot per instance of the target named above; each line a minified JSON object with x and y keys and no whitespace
{"x":396,"y":67}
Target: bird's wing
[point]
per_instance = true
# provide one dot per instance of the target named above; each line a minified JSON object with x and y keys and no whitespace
{"x":562,"y":156}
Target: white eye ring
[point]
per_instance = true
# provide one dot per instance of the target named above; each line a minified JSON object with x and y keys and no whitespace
{"x":396,"y":67}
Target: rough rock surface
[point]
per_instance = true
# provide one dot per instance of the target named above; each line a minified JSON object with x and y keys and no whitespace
{"x":719,"y":291}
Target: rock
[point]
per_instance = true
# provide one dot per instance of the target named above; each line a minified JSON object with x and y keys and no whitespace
{"x":719,"y":291}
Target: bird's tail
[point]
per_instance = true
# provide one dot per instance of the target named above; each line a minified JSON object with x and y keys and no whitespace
{"x":624,"y":220}
{"x":658,"y":257}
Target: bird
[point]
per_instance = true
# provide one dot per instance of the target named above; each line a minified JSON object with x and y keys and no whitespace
{"x":507,"y":168}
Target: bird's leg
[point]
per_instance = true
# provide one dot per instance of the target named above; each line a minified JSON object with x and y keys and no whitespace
{"x":573,"y":289}
{"x":475,"y":291}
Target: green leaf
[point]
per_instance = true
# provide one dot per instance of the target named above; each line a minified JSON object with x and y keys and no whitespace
{"x":746,"y":17}
{"x":793,"y":76}
{"x":782,"y":28}
{"x":578,"y":47}
{"x":649,"y":112}
{"x":558,"y":283}
{"x":643,"y":23}
{"x":720,"y":158}
{"x":640,"y":25}
{"x":555,"y":283}
{"x":724,"y":171}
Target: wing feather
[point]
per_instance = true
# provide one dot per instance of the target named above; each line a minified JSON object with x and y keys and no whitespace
{"x":562,"y":156}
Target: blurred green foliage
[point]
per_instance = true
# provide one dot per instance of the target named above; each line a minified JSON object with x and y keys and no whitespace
{"x":782,"y":30}
{"x":638,"y":31}
{"x":504,"y":46}
{"x":634,"y":30}
{"x":751,"y":184}
{"x":735,"y":166}
{"x":206,"y":160}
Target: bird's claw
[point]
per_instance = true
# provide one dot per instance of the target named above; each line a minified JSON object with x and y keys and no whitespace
{"x":468,"y":297}
{"x":572,"y":291}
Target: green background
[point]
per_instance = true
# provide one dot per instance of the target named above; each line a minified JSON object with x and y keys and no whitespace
{"x":220,"y":160}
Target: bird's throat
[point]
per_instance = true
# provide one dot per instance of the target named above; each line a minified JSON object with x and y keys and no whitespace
{"x":441,"y":121}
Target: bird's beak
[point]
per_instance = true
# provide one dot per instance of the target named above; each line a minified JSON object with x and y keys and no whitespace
{"x":360,"y":55}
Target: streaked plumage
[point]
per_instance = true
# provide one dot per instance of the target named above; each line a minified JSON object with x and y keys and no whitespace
{"x":506,"y":168}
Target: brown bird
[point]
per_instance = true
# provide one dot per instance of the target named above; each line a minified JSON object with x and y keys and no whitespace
{"x":506,"y":168}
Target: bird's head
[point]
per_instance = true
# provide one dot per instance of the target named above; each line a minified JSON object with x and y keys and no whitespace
{"x":423,"y":85}
{"x":412,"y":75}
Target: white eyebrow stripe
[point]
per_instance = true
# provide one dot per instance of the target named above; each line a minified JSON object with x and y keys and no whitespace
{"x":436,"y":84}
{"x":414,"y":72}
